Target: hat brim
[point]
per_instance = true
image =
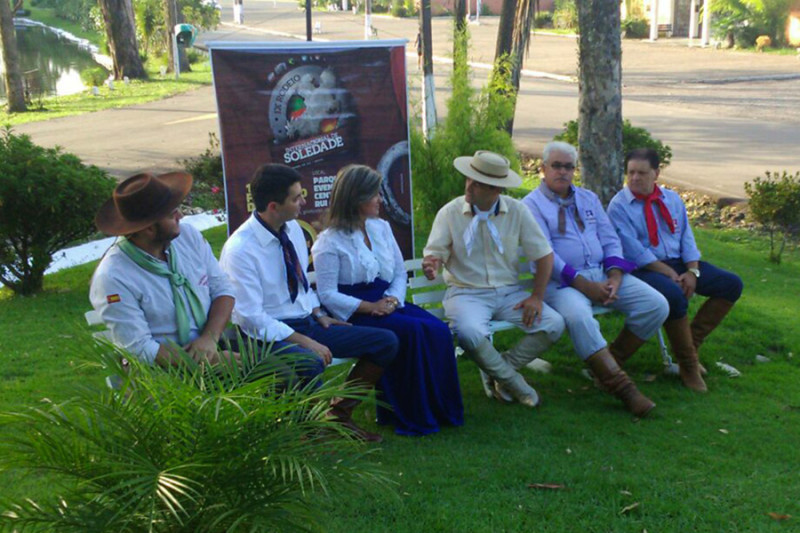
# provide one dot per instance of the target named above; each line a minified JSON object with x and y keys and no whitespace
{"x":463,"y":165}
{"x":110,"y":222}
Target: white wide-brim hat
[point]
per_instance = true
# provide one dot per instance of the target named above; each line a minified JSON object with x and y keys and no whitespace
{"x":489,"y":168}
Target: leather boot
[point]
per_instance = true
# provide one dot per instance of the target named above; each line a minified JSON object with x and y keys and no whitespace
{"x":625,"y":345}
{"x":364,"y":373}
{"x":708,"y":317}
{"x":615,"y":381}
{"x":680,"y":338}
{"x":507,"y":379}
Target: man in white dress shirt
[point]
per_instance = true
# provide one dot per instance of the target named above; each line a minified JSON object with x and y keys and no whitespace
{"x":267,"y":261}
{"x":159,"y":286}
{"x":477,"y":237}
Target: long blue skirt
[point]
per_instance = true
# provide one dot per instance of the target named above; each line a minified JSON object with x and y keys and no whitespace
{"x":421,"y":384}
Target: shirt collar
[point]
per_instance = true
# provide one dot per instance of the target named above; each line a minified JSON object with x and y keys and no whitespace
{"x":500,"y":207}
{"x":266,"y":236}
{"x":630,"y":198}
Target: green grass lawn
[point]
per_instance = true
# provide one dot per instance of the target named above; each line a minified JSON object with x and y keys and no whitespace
{"x":47,"y":16}
{"x":719,"y":462}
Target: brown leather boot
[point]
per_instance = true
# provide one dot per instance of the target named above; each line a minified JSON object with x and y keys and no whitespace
{"x":680,"y":338}
{"x":708,"y":317}
{"x":615,"y":381}
{"x":625,"y":345}
{"x":364,"y":373}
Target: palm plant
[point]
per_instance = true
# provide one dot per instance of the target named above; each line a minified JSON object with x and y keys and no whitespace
{"x":189,"y":449}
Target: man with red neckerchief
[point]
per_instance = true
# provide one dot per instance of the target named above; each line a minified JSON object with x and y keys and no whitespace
{"x":653,"y":226}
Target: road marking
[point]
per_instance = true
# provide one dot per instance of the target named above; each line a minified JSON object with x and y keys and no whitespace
{"x":207,"y":116}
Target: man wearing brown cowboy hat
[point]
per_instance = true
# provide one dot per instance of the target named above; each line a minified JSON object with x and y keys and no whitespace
{"x":477,"y":237}
{"x":159,"y":285}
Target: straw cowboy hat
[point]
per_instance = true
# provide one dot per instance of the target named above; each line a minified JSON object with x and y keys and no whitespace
{"x":141,"y":200}
{"x":489,"y":168}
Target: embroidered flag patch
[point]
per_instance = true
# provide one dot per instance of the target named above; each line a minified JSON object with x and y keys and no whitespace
{"x":113,"y":298}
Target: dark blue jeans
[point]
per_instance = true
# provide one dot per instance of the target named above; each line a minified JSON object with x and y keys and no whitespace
{"x":379,"y":346}
{"x":713,"y":282}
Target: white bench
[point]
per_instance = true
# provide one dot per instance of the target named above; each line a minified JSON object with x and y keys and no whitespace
{"x":431,"y":301}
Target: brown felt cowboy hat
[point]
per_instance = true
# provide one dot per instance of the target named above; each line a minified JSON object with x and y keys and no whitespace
{"x":489,"y":168}
{"x":141,"y":200}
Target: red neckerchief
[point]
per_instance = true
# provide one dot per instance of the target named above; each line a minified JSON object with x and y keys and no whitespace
{"x":650,"y":217}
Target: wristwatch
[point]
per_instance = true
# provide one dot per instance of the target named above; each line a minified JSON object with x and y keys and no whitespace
{"x":319,"y":314}
{"x":695,"y":271}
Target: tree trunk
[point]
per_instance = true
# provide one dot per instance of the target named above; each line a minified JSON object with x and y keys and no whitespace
{"x":460,"y":16}
{"x":173,"y":16}
{"x":121,"y":35}
{"x":600,"y":97}
{"x":14,"y":87}
{"x":505,"y":28}
{"x":428,"y":88}
{"x":513,"y":39}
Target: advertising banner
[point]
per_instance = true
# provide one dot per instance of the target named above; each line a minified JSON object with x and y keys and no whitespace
{"x":315,"y":107}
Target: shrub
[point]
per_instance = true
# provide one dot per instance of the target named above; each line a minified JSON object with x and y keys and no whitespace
{"x":565,"y":15}
{"x":775,"y":205}
{"x":475,"y":121}
{"x":543,"y":19}
{"x":636,"y":28}
{"x":632,"y":137}
{"x":94,"y":76}
{"x":208,"y":190}
{"x":47,"y":200}
{"x":399,"y":8}
{"x":186,"y":449}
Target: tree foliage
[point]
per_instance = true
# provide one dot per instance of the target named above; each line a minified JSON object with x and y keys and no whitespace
{"x":775,"y":205}
{"x":632,"y":137}
{"x":741,"y":21}
{"x":188,"y":449}
{"x":475,"y":121}
{"x":47,"y":200}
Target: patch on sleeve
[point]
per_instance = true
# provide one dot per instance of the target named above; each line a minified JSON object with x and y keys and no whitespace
{"x":113,"y":298}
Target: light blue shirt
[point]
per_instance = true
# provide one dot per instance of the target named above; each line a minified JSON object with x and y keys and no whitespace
{"x":627,"y":214}
{"x":597,"y":246}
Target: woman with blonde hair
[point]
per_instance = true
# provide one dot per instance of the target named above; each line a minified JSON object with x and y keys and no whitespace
{"x":361,"y":279}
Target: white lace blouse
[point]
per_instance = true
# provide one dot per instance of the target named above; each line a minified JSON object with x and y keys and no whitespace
{"x":344,"y":258}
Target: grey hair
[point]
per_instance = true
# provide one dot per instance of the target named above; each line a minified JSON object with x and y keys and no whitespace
{"x":559,"y":146}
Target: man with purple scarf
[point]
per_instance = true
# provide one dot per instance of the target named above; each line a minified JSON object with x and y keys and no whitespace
{"x":589,"y":271}
{"x":267,"y":260}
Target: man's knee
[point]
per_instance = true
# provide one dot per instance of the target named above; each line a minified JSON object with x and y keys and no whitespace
{"x":552,"y":323}
{"x":470,"y":338}
{"x":383,"y":345}
{"x":735,"y":287}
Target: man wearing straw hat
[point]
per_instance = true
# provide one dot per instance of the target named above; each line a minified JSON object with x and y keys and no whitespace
{"x":159,"y":286}
{"x":477,"y":238}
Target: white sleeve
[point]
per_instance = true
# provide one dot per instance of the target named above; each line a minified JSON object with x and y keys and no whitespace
{"x":326,"y":264}
{"x":123,"y":316}
{"x":249,"y":307}
{"x":397,"y":288}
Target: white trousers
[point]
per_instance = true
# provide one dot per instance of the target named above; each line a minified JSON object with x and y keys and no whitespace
{"x":470,"y":310}
{"x":644,"y":307}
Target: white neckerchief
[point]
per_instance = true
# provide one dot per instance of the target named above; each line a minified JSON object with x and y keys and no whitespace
{"x":479,"y":216}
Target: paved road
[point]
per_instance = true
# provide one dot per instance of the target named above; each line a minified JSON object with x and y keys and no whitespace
{"x":727,"y":116}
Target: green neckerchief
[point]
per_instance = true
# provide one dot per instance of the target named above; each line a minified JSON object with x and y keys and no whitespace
{"x":176,"y":279}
